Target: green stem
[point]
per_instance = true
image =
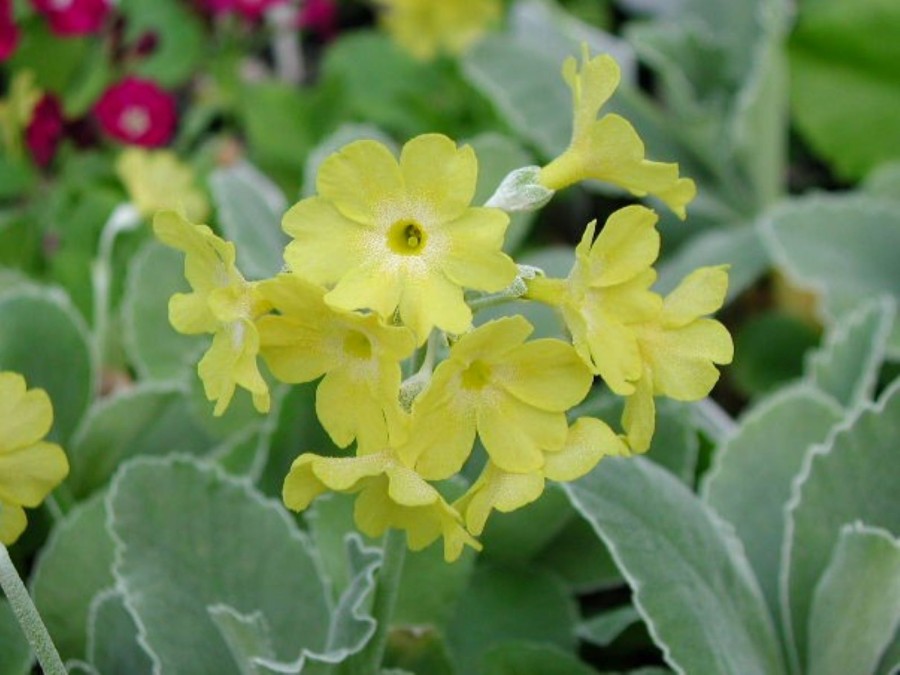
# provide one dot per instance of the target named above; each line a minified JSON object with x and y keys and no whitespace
{"x":386,"y":592}
{"x":28,"y":617}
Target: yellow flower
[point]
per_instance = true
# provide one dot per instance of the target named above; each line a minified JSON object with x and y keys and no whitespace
{"x":400,"y":237}
{"x":512,"y":393}
{"x":222,"y":303}
{"x":678,"y":349}
{"x":390,"y":495}
{"x":16,"y":110}
{"x":29,"y":467}
{"x":609,"y":149}
{"x":156,"y":180}
{"x":358,"y":355}
{"x":588,"y":441}
{"x":426,"y":27}
{"x":607,"y":292}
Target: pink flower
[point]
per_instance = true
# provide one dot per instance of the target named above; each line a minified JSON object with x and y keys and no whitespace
{"x":137,"y":112}
{"x":45,"y":130}
{"x":249,"y":9}
{"x":73,"y":17}
{"x":320,"y":17}
{"x":9,"y":32}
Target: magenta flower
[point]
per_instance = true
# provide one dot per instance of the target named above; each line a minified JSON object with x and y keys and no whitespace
{"x":45,"y":130}
{"x":319,"y":17}
{"x":9,"y":32}
{"x":137,"y":112}
{"x":73,"y":17}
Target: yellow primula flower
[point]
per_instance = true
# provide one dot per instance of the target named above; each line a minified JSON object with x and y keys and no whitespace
{"x":358,"y":355}
{"x":512,"y":393}
{"x":29,"y":466}
{"x":426,"y":27}
{"x":390,"y":495}
{"x":679,"y":348}
{"x":156,"y":180}
{"x":588,"y":441}
{"x":222,"y":303}
{"x":609,"y":149}
{"x":400,"y":237}
{"x":607,"y":292}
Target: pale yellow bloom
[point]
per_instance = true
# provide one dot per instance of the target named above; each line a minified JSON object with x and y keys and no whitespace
{"x":29,"y":466}
{"x":427,"y":27}
{"x":400,"y":237}
{"x":587,"y":442}
{"x":607,"y":293}
{"x":512,"y":393}
{"x":222,"y":303}
{"x":609,"y":149}
{"x":679,"y":348}
{"x":390,"y":495}
{"x":359,"y":356}
{"x":156,"y":180}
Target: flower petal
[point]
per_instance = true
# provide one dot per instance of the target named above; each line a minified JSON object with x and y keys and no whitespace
{"x":28,"y":474}
{"x":589,"y":440}
{"x":12,"y":523}
{"x":515,"y":434}
{"x":546,"y":374}
{"x":433,"y":300}
{"x":475,"y":259}
{"x":700,"y":293}
{"x":491,"y":340}
{"x":682,"y":358}
{"x":359,"y":179}
{"x":367,"y":287}
{"x":26,"y":415}
{"x":326,"y":244}
{"x":439,"y":174}
{"x":639,"y":416}
{"x":627,"y":245}
{"x":189,"y":314}
{"x":500,"y":490}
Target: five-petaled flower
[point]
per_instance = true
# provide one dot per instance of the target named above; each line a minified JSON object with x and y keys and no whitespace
{"x":137,"y":112}
{"x":609,"y":149}
{"x":400,"y":237}
{"x":30,"y":467}
{"x":222,"y":303}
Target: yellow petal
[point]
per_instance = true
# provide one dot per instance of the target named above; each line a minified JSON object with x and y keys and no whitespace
{"x":25,"y":415}
{"x":433,"y":300}
{"x":209,"y":261}
{"x":189,"y":314}
{"x":475,"y":259}
{"x":546,"y":374}
{"x":500,"y":490}
{"x":348,"y":409}
{"x":701,"y":292}
{"x":231,"y":361}
{"x":440,"y":175}
{"x":28,"y":474}
{"x":515,"y":433}
{"x":627,"y":245}
{"x":591,"y":87}
{"x":359,"y":179}
{"x":491,"y":340}
{"x":326,"y":244}
{"x":614,"y":352}
{"x":12,"y":523}
{"x":639,"y":416}
{"x":367,"y":287}
{"x":589,"y":440}
{"x":682,"y":359}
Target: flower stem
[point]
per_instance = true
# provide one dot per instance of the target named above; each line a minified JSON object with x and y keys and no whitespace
{"x":27,"y":615}
{"x":386,"y":592}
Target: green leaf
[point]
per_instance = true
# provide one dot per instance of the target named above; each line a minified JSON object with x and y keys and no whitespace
{"x":853,"y":476}
{"x":509,"y":603}
{"x":524,"y":658}
{"x":198,"y":538}
{"x":43,"y":338}
{"x":72,"y":569}
{"x":155,"y":349}
{"x":856,"y":607}
{"x":750,"y":481}
{"x":849,"y":48}
{"x":690,"y":579}
{"x":250,"y":207}
{"x":247,"y":636}
{"x":180,"y":39}
{"x":884,"y":182}
{"x":525,"y":86}
{"x":842,"y":246}
{"x":847,"y":365}
{"x":579,"y":558}
{"x":890,"y":661}
{"x":112,"y":645}
{"x":602,"y":629}
{"x":15,"y":654}
{"x":148,"y":419}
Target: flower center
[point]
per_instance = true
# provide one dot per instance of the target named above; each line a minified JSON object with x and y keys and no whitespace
{"x":476,"y":376}
{"x":135,"y":121}
{"x":357,"y":346}
{"x":406,"y":237}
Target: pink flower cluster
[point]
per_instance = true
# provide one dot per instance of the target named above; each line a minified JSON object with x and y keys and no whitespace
{"x":249,"y":9}
{"x":73,"y":17}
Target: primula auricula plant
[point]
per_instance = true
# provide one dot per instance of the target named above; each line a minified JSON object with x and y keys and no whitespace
{"x":389,"y":263}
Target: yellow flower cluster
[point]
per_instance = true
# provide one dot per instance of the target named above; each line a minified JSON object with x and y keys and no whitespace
{"x":380,"y":272}
{"x":29,"y":466}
